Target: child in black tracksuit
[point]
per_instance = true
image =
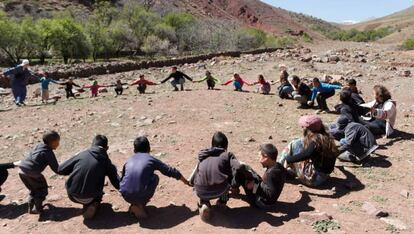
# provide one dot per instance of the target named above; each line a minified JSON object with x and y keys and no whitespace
{"x":32,"y":167}
{"x":213,"y":175}
{"x":68,"y":88}
{"x":263,"y":191}
{"x":87,"y":171}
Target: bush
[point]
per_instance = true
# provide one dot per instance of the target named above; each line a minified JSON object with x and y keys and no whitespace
{"x":360,"y":36}
{"x":409,"y":44}
{"x":251,"y":38}
{"x":153,"y":45}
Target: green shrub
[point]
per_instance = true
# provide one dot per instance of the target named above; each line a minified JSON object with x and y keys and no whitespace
{"x":409,"y":44}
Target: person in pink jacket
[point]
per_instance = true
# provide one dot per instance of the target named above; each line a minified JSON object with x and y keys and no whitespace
{"x":94,"y":88}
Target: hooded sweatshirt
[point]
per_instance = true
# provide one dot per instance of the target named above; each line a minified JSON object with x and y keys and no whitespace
{"x":38,"y":159}
{"x":138,"y":172}
{"x":18,"y":74}
{"x":215,"y":172}
{"x":87,"y":171}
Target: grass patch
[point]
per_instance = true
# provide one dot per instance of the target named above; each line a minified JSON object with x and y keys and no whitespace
{"x":379,"y":199}
{"x":391,"y":229}
{"x":323,"y":226}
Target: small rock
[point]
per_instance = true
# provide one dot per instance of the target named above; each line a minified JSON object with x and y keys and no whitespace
{"x":270,"y":137}
{"x":370,"y":209}
{"x":395,"y":222}
{"x":115,"y":124}
{"x":249,"y":139}
{"x":310,"y":217}
{"x":172,"y":122}
{"x":404,"y":193}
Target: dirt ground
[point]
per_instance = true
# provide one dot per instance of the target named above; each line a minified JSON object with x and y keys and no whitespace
{"x":179,"y":124}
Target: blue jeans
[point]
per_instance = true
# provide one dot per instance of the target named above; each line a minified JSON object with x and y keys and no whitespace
{"x":180,"y":82}
{"x":19,"y":92}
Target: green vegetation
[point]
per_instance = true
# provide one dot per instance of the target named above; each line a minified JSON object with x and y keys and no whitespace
{"x":409,"y":44}
{"x":359,"y":36}
{"x":323,"y":226}
{"x":108,"y":32}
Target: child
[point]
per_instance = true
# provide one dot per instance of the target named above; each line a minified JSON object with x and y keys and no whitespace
{"x":4,"y":173}
{"x":142,"y":84}
{"x":87,"y":171}
{"x":213,"y":175}
{"x":69,"y":86}
{"x":94,"y":88}
{"x":301,"y":92}
{"x":357,"y":144}
{"x":312,"y":158}
{"x":138,"y":181}
{"x":45,"y":81}
{"x":178,"y":79}
{"x":264,"y":85}
{"x":32,"y":167}
{"x":119,"y":89}
{"x":238,"y":82}
{"x":211,"y":81}
{"x":321,"y":92}
{"x":352,"y":85}
{"x":285,"y":88}
{"x":263,"y":192}
{"x":383,"y":111}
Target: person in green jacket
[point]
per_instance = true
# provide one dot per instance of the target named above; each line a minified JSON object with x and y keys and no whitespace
{"x":211,"y":81}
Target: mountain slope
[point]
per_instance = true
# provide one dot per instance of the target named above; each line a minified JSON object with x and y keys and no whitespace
{"x":402,"y":21}
{"x":251,"y":13}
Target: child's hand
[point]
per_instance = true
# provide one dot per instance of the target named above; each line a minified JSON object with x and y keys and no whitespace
{"x":250,"y":185}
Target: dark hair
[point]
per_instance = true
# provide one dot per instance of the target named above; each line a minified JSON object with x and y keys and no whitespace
{"x":219,"y":140}
{"x":269,"y":150}
{"x":100,"y":140}
{"x":352,"y":82}
{"x":175,"y":68}
{"x":141,"y":76}
{"x":324,"y":142}
{"x":296,"y":78}
{"x":283,"y":76}
{"x":142,"y":145}
{"x":345,"y":96}
{"x":261,"y":77}
{"x":316,"y":80}
{"x":50,"y":136}
{"x":382,"y":92}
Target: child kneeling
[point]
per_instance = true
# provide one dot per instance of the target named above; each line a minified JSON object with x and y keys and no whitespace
{"x":139,"y":182}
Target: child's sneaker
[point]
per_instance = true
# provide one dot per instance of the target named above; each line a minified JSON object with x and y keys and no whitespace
{"x":204,"y":212}
{"x":90,"y":210}
{"x":138,"y":211}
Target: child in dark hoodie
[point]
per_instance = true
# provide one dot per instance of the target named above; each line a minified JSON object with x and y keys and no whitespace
{"x":138,"y":181}
{"x":263,"y":191}
{"x":32,"y":167}
{"x":213,"y":175}
{"x":87,"y":171}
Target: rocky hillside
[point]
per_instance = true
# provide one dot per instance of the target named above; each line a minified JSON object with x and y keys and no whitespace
{"x":251,"y":13}
{"x":402,"y":21}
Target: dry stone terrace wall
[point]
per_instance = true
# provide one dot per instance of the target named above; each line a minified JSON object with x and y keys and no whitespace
{"x":84,"y":70}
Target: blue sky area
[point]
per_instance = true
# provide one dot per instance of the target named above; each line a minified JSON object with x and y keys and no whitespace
{"x":343,"y":10}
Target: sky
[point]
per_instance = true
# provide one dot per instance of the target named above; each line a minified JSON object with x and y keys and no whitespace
{"x":343,"y":10}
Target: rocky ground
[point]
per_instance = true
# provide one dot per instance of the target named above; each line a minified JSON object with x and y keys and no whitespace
{"x":179,"y":124}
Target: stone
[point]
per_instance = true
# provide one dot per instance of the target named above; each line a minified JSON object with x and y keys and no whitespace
{"x":404,"y":193}
{"x":398,"y":224}
{"x":249,"y":139}
{"x":406,"y":73}
{"x":373,"y":211}
{"x":309,"y":218}
{"x":115,"y":124}
{"x":172,"y":122}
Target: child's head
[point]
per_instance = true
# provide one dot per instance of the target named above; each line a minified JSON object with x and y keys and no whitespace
{"x":220,"y":140}
{"x":268,"y":155}
{"x":100,"y":141}
{"x":174,"y":69}
{"x":118,"y":81}
{"x":294,"y":79}
{"x":261,"y":78}
{"x":345,"y":96}
{"x":142,"y":145}
{"x":381,"y":93}
{"x":352,"y":84}
{"x":236,"y":76}
{"x":141,"y":77}
{"x":95,"y":82}
{"x":208,"y":73}
{"x":52,"y":139}
{"x":316,"y":82}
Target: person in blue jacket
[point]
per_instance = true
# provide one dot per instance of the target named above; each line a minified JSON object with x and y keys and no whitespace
{"x":138,"y":182}
{"x":44,"y":84}
{"x":321,"y":92}
{"x":19,"y":76}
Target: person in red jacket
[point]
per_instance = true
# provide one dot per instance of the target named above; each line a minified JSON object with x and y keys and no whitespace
{"x":238,"y":82}
{"x":142,"y":84}
{"x":94,"y":88}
